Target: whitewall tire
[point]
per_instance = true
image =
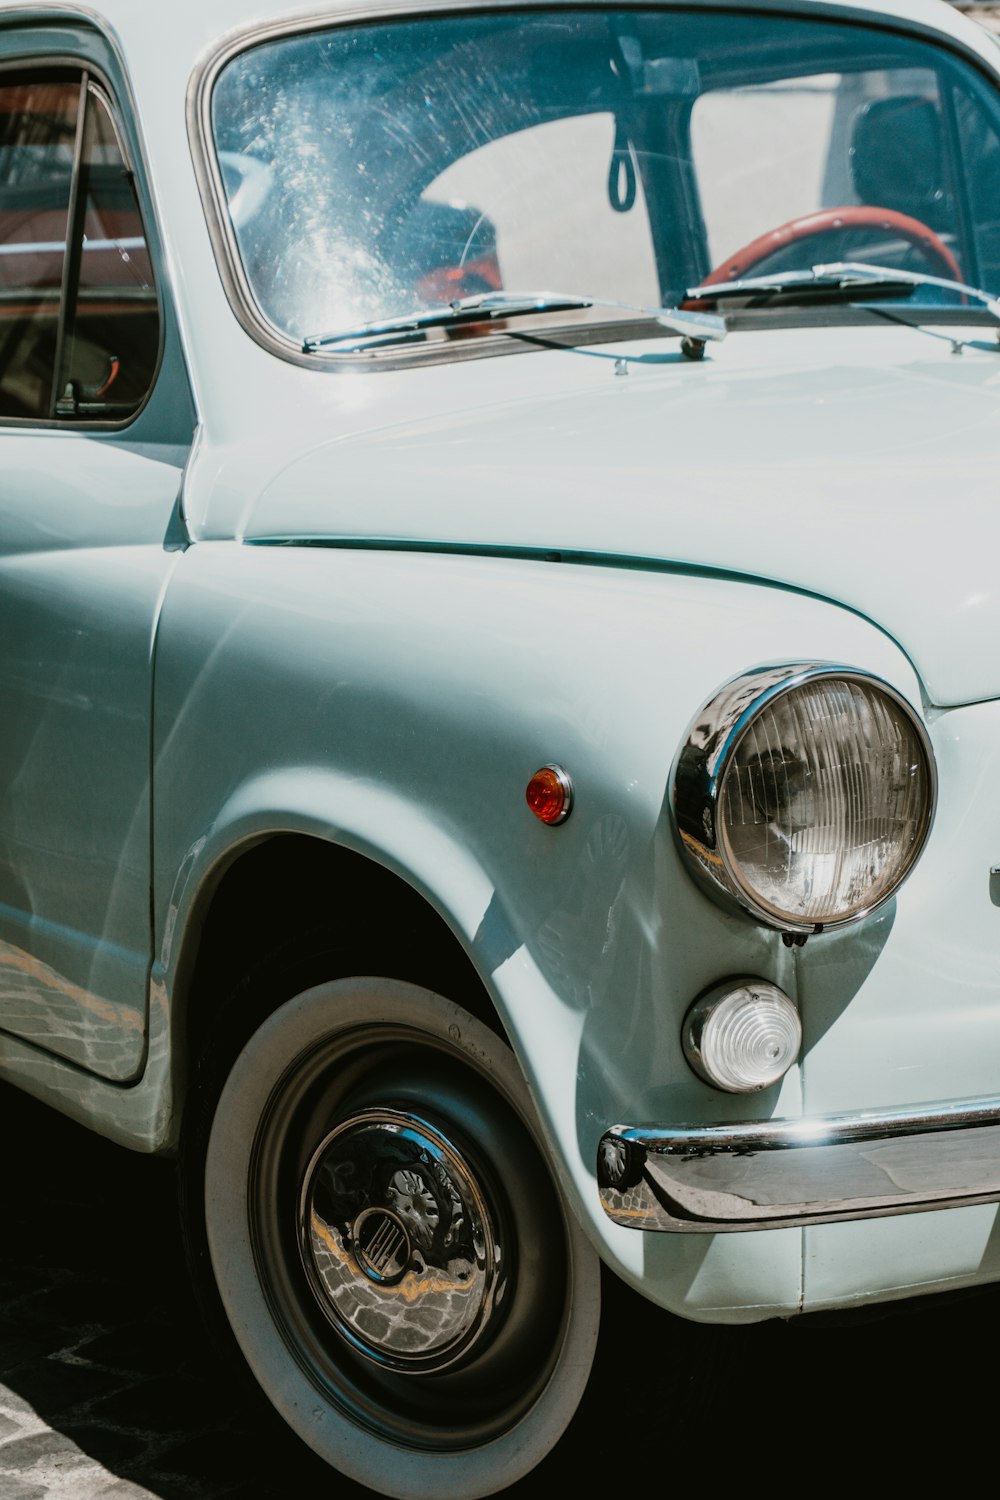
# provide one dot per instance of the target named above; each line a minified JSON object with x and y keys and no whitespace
{"x":390,"y":1249}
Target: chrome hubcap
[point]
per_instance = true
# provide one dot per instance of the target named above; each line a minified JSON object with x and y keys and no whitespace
{"x":399,"y":1242}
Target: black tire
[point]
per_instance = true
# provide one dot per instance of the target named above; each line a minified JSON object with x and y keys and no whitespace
{"x":389,"y":1248}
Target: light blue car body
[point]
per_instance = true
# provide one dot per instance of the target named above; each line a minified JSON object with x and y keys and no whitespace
{"x":363,"y":608}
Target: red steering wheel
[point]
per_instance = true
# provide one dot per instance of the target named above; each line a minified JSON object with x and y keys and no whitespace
{"x":853,"y":216}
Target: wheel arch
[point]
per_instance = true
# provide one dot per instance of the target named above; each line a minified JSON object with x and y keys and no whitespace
{"x":325,"y":910}
{"x":416,"y":896}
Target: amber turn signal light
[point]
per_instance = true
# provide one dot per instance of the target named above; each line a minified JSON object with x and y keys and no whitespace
{"x":549,"y":794}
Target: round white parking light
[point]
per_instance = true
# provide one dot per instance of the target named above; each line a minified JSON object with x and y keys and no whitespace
{"x":742,"y":1035}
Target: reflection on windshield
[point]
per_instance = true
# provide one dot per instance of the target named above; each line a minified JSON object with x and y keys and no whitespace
{"x":373,"y":170}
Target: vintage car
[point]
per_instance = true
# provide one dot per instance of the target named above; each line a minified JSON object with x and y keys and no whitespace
{"x":498,"y":671}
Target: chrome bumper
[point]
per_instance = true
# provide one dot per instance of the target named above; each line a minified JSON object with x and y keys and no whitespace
{"x":769,"y":1174}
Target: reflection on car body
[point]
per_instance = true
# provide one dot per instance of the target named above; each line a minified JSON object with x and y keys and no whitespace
{"x":499,"y":712}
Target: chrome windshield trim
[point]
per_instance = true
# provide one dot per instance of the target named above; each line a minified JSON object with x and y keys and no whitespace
{"x":820,"y":1169}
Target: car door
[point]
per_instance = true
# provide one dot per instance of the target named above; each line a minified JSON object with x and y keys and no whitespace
{"x":95,"y":426}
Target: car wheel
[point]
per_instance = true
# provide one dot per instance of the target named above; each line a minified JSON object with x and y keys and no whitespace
{"x":390,"y":1249}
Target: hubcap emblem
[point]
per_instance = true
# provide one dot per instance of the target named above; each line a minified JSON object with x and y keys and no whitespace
{"x":402,"y":1248}
{"x":381,"y":1246}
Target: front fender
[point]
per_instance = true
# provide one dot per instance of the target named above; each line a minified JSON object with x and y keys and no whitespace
{"x":397,"y":704}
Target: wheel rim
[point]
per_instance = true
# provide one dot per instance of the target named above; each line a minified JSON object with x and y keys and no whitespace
{"x":399,"y":1243}
{"x":432,"y":1345}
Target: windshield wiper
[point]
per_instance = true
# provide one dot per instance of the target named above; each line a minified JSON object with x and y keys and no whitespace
{"x":487,"y":307}
{"x":817,"y":284}
{"x":843,"y":280}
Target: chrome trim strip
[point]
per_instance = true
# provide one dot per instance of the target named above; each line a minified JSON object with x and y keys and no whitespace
{"x":701,"y":763}
{"x":771,"y":1174}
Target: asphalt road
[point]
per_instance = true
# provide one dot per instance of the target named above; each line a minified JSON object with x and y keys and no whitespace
{"x":108,"y":1387}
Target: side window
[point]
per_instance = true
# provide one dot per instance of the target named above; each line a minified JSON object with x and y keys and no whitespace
{"x":38,"y":128}
{"x":79,"y":316}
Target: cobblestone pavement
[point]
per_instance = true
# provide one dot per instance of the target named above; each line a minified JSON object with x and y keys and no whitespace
{"x":109,"y":1390}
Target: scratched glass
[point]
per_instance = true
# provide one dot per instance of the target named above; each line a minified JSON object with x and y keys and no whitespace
{"x":373,"y":170}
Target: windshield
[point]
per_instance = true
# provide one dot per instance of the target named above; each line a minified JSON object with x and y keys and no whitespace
{"x":620,"y":156}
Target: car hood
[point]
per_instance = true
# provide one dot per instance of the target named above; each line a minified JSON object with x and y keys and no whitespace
{"x":869,"y":482}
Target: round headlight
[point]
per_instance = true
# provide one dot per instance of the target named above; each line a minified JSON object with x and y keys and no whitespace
{"x":805,"y":794}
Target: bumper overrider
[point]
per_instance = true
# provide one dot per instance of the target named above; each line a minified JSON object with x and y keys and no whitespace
{"x":770,"y":1174}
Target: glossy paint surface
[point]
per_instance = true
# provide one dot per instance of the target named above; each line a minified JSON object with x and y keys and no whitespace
{"x":826,"y":461}
{"x":393,"y":685}
{"x":82,"y":569}
{"x":591,"y":938}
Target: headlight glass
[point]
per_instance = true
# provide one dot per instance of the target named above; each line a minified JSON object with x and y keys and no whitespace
{"x":821,"y":797}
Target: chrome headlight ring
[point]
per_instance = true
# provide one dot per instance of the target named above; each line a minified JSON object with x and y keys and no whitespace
{"x":804,"y":794}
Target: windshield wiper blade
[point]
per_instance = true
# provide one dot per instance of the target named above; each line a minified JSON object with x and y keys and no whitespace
{"x":487,"y":307}
{"x":853,"y":281}
{"x":838,"y":282}
{"x":483,"y":307}
{"x":917,"y":279}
